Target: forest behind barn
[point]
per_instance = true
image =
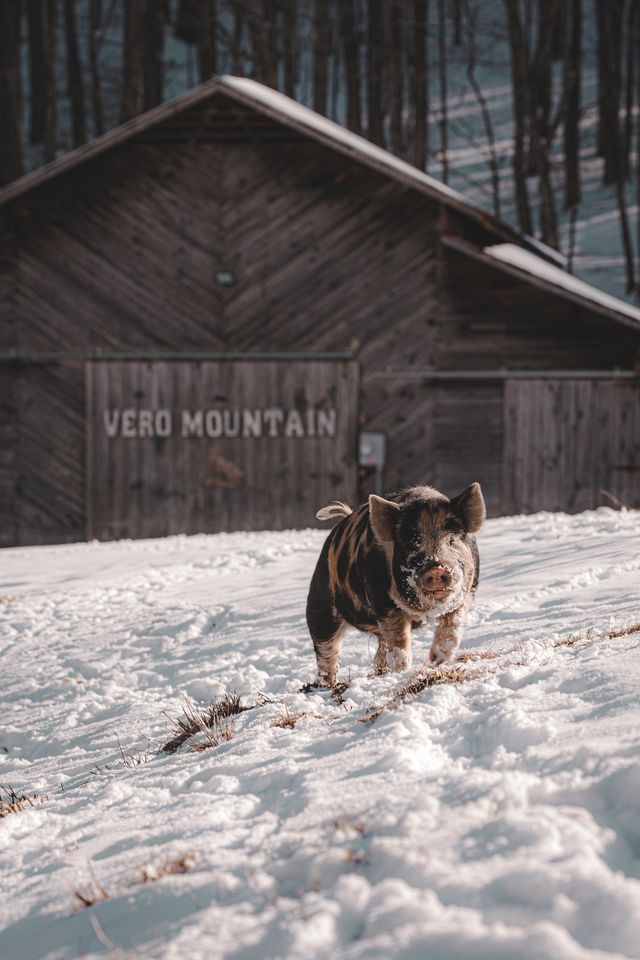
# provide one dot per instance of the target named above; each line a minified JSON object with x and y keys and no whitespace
{"x":528,"y":107}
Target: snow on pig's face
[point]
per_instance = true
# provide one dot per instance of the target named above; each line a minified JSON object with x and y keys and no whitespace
{"x":430,"y":542}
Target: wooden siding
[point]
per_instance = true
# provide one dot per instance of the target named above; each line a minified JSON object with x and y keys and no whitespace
{"x":571,"y":445}
{"x":49,"y":501}
{"x":150,"y":486}
{"x":488,"y":320}
{"x":443,"y":434}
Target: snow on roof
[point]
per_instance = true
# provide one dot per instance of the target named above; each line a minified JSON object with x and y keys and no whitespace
{"x":527,"y":262}
{"x":284,"y":106}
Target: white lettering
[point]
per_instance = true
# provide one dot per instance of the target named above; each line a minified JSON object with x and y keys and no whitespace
{"x":192,"y":424}
{"x":129,"y":423}
{"x":251,"y":423}
{"x":229,"y":430}
{"x":273,"y":416}
{"x":229,"y":422}
{"x":294,"y":426}
{"x":164,"y":424}
{"x":311,"y":422}
{"x":326,"y":423}
{"x":213,"y":423}
{"x":145,"y":423}
{"x":111,"y":422}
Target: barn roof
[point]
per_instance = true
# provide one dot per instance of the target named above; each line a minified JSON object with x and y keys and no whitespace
{"x":294,"y":115}
{"x":518,"y":254}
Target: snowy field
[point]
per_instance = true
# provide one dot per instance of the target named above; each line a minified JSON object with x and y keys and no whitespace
{"x":493,"y":818}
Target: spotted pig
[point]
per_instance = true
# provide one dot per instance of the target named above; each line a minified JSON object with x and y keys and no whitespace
{"x":390,"y":565}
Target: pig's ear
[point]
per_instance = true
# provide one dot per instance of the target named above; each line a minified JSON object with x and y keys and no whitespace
{"x":469,"y":505}
{"x":383,"y":515}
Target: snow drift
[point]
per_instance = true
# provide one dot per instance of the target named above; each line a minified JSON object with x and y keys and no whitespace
{"x":493,"y":814}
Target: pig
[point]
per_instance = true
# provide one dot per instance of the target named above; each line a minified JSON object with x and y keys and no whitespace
{"x":390,"y":565}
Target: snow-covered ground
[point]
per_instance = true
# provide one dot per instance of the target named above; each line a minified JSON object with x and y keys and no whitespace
{"x":492,"y":818}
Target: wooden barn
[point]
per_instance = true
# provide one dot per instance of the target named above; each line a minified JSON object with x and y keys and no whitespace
{"x":229,"y":311}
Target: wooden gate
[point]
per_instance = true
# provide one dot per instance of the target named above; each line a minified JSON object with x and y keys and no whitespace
{"x":571,"y":445}
{"x":187,"y":447}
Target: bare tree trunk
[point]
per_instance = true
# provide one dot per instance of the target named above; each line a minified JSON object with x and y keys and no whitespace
{"x":610,"y":17}
{"x":395,"y":72}
{"x":457,"y":22}
{"x":270,"y":48}
{"x":375,"y":118}
{"x":236,"y":41}
{"x":335,"y":69}
{"x":261,"y":25}
{"x":572,"y":77}
{"x":519,"y":75}
{"x":95,"y":24}
{"x":540,"y":126}
{"x":51,"y":115}
{"x":37,"y":70}
{"x":600,"y":8}
{"x":442,"y":75}
{"x":74,"y":75}
{"x":207,"y":42}
{"x":559,"y":30}
{"x":625,"y":233}
{"x":11,"y":141}
{"x":637,"y":49}
{"x":156,"y":17}
{"x":571,"y":252}
{"x":351,"y":65}
{"x":133,"y":89}
{"x":320,"y":55}
{"x":494,"y":163}
{"x":187,"y":26}
{"x":629,"y":40}
{"x":289,"y":46}
{"x":420,"y":91}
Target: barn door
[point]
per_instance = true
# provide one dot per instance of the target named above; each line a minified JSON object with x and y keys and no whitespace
{"x":571,"y":445}
{"x":186,"y":447}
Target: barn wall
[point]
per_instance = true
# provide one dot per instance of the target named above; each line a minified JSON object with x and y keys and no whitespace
{"x":488,"y":320}
{"x":121,"y":253}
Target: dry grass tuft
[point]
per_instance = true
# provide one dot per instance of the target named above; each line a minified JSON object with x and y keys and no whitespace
{"x":207,"y":721}
{"x":434,"y":677}
{"x":592,"y":635}
{"x":634,"y":628}
{"x":474,"y":655}
{"x":289,"y":720}
{"x":168,"y":867}
{"x":12,"y":802}
{"x":336,"y":691}
{"x":156,"y":870}
{"x":339,"y":689}
{"x":346,"y":825}
{"x":431,"y":679}
{"x":91,"y":895}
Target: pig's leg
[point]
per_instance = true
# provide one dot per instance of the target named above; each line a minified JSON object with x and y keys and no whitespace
{"x":328,"y":656}
{"x":326,"y":626}
{"x":448,"y":634}
{"x":394,"y":643}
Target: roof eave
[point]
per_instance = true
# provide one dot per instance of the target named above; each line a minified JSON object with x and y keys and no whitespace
{"x":476,"y":253}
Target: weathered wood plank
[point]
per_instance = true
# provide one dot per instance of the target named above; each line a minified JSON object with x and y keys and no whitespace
{"x":218,"y":445}
{"x":571,"y":445}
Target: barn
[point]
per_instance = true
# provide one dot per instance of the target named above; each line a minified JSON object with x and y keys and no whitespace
{"x":229,"y":311}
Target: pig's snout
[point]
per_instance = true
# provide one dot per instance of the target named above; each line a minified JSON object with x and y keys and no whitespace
{"x":435,"y":580}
